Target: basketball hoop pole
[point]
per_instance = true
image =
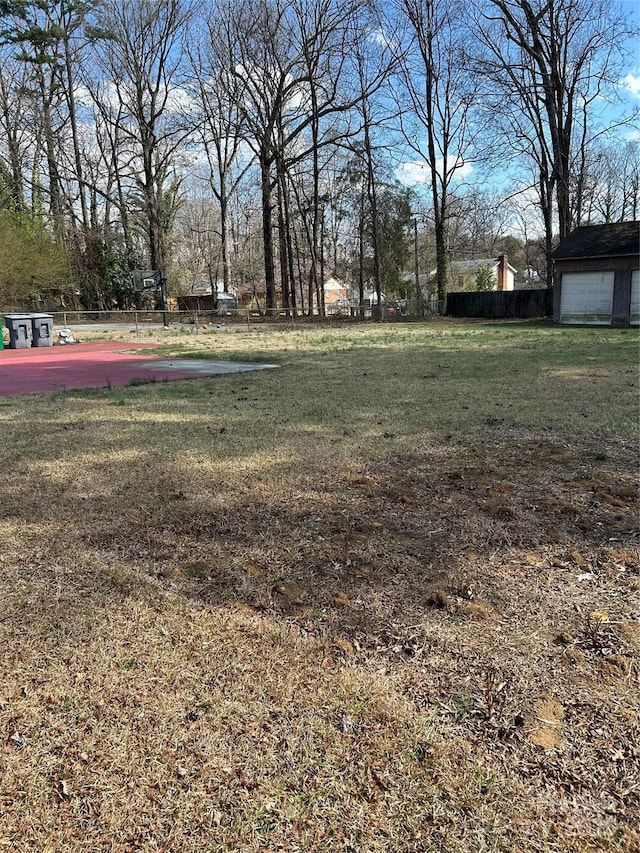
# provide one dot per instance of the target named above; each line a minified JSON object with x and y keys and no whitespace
{"x":144,"y":280}
{"x":163,"y":296}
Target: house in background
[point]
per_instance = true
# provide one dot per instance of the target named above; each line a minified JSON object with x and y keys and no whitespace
{"x":335,"y":292}
{"x":464,"y":274}
{"x":338,"y":297}
{"x":597,"y":276}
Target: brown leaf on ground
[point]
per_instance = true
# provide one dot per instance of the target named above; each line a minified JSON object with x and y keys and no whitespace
{"x":474,"y":610}
{"x":340,"y":599}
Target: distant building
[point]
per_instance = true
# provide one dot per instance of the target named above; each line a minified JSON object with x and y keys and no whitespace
{"x":464,"y":274}
{"x":336,"y":293}
{"x":200,"y":297}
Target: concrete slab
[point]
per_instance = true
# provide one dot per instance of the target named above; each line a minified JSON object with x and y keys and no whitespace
{"x":206,"y":367}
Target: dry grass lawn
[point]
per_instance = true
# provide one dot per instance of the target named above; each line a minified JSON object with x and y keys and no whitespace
{"x":385,"y":598}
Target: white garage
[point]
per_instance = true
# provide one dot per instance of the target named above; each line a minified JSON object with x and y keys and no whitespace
{"x":587,"y":297}
{"x":596,"y":276}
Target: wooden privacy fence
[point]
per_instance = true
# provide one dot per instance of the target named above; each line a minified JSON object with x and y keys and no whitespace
{"x":513,"y":304}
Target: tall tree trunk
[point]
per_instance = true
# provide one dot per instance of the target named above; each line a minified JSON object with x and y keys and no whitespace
{"x":361,"y":228}
{"x":77,"y":154}
{"x":156,"y":259}
{"x":289,"y":244}
{"x":16,"y":188}
{"x":442,"y":262}
{"x":546,"y":206}
{"x":225,"y":239}
{"x":373,"y":207}
{"x":267,"y":234}
{"x":282,"y":239}
{"x":53,"y":175}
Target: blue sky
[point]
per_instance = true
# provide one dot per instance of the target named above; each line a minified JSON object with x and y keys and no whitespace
{"x":610,"y":112}
{"x":631,"y":81}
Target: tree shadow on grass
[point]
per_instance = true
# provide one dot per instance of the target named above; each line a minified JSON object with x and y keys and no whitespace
{"x":361,"y":549}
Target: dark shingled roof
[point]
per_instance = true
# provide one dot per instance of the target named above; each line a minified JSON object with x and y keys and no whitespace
{"x":600,"y":241}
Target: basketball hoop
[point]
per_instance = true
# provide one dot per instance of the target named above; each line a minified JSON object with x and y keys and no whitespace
{"x":145,"y":280}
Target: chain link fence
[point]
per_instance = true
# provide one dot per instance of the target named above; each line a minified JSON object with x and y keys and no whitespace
{"x":246,"y":316}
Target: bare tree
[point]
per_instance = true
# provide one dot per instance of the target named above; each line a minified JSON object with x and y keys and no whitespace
{"x":71,"y":16}
{"x":138,"y":52}
{"x":329,"y":32}
{"x":610,"y":188}
{"x":547,"y":63}
{"x":14,"y":136}
{"x":38,"y":45}
{"x":293,"y":70}
{"x":371,"y":186}
{"x":108,"y":167}
{"x":218,"y":123}
{"x":478,"y":220}
{"x":631,"y":181}
{"x":45,"y":38}
{"x":437,"y":95}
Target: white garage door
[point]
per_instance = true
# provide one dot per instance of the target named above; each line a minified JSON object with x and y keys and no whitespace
{"x":635,"y":298}
{"x":587,"y":297}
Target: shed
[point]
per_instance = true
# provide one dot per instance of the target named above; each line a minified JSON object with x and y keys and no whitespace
{"x":596,"y":272}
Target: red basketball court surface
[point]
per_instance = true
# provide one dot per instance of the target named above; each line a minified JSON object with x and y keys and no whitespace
{"x":97,"y":365}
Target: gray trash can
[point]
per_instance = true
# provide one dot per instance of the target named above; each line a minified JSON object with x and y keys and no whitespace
{"x":42,"y":326}
{"x":19,"y":326}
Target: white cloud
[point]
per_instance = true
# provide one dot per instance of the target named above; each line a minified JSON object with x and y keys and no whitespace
{"x":632,"y":84}
{"x":110,"y":94}
{"x":180,"y":102}
{"x":411,"y":174}
{"x":414,"y":173}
